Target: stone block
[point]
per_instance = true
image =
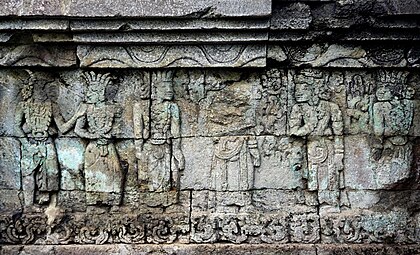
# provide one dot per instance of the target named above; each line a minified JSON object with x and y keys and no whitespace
{"x":144,"y":9}
{"x":11,"y":201}
{"x":283,"y":163}
{"x":172,"y":56}
{"x":71,"y":159}
{"x":37,"y":55}
{"x":168,"y":24}
{"x":10,"y":157}
{"x":380,"y":165}
{"x":292,"y":16}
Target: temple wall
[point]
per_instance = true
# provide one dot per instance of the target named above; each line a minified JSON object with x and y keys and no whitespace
{"x":209,"y":127}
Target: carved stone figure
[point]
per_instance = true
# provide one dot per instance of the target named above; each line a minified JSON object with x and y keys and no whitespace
{"x":103,"y":172}
{"x":315,"y":116}
{"x":359,"y":100}
{"x":155,"y":157}
{"x":393,"y":111}
{"x":272,"y":106}
{"x":233,"y":163}
{"x":392,"y":119}
{"x":35,"y":118}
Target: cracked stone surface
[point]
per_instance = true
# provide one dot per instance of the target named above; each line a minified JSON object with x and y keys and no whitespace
{"x":209,"y":127}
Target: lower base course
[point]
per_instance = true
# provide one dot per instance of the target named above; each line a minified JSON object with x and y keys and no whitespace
{"x":213,"y":249}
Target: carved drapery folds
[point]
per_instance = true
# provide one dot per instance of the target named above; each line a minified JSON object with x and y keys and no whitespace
{"x":215,"y":125}
{"x":267,"y":157}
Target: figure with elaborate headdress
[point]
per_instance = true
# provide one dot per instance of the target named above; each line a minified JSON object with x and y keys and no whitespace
{"x":35,"y":118}
{"x":103,"y":172}
{"x":160,"y":158}
{"x":392,"y":115}
{"x":316,"y":116}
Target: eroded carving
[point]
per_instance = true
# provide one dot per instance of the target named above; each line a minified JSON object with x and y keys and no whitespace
{"x":35,"y":119}
{"x":392,"y":119}
{"x":314,"y":115}
{"x":160,"y":158}
{"x":272,"y":110}
{"x":103,"y":172}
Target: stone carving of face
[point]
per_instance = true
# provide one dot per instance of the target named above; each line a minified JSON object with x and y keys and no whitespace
{"x":303,"y":92}
{"x":383,"y":94}
{"x":165,"y":90}
{"x":409,"y":93}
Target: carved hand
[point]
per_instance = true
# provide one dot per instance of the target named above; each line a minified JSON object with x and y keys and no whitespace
{"x":81,"y":110}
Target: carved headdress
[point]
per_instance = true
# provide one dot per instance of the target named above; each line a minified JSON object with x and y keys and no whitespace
{"x":395,"y":81}
{"x":96,"y":84}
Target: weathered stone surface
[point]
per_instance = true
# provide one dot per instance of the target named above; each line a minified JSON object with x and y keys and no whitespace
{"x":37,"y":55}
{"x":292,"y":249}
{"x":371,"y":164}
{"x":172,"y":56}
{"x":36,"y":24}
{"x":292,"y":16}
{"x":168,"y":24}
{"x":175,"y":127}
{"x":364,"y":249}
{"x":162,"y":38}
{"x":10,"y":163}
{"x":94,"y":8}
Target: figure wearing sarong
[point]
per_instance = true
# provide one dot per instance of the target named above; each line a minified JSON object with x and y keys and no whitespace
{"x":35,"y":119}
{"x":103,"y":172}
{"x":159,"y":154}
{"x":315,"y":116}
{"x":392,"y":115}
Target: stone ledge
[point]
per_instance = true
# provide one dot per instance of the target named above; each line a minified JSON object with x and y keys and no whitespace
{"x":211,"y":249}
{"x":138,"y":8}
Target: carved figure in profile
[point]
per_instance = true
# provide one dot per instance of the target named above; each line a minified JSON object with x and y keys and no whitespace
{"x":314,"y":115}
{"x":160,"y":158}
{"x":103,"y":172}
{"x":35,"y":119}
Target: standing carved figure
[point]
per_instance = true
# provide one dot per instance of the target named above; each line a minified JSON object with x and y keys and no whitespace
{"x":35,"y":116}
{"x":392,"y":119}
{"x":315,"y":116}
{"x":272,"y":106}
{"x":103,"y":172}
{"x":235,"y":157}
{"x":233,"y":164}
{"x":161,"y":158}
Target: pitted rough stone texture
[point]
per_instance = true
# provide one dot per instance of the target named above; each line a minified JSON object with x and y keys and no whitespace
{"x":209,"y":127}
{"x":166,"y":8}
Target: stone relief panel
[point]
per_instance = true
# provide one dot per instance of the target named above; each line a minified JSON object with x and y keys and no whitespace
{"x":171,"y":55}
{"x":160,"y":158}
{"x":387,"y":153}
{"x":204,"y":156}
